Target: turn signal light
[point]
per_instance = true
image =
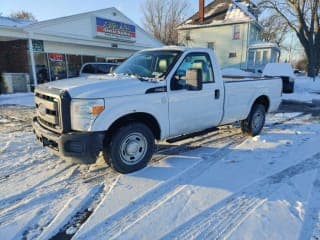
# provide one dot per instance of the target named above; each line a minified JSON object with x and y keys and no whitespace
{"x":96,"y":110}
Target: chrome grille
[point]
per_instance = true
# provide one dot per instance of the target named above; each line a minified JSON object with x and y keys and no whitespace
{"x":47,"y":111}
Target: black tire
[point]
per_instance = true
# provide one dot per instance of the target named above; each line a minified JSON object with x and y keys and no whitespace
{"x":130,"y":148}
{"x":255,"y":121}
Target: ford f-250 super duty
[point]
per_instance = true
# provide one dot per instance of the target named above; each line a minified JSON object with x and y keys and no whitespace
{"x":156,"y":94}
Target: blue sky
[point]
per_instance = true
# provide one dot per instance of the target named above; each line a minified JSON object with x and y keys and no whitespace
{"x":45,"y":9}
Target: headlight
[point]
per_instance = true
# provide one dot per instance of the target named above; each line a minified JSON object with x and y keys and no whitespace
{"x":84,"y":112}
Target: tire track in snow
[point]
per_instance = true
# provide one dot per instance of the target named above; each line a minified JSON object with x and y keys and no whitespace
{"x":221,"y":219}
{"x":5,"y":202}
{"x":153,"y":199}
{"x":311,"y":225}
{"x":83,"y":213}
{"x":8,"y":214}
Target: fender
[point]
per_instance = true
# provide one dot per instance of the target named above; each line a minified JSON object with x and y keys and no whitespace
{"x":155,"y":105}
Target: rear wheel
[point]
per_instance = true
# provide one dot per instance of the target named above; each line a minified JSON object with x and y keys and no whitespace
{"x":130,"y":148}
{"x":255,"y":121}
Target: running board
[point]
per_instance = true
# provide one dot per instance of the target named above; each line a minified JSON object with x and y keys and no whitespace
{"x":195,"y":134}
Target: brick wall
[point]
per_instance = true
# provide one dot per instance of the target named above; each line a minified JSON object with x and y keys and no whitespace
{"x":14,"y":56}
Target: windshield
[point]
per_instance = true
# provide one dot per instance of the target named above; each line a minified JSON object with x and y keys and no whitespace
{"x":149,"y":64}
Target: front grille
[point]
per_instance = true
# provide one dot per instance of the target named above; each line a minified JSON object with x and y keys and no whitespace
{"x":48,"y":111}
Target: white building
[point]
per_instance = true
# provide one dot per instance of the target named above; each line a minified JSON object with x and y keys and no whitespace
{"x":55,"y":49}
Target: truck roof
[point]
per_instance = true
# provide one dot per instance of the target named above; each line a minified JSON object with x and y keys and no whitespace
{"x":178,"y":48}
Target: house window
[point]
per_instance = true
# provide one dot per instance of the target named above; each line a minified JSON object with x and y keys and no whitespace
{"x":236,"y":32}
{"x":188,"y":38}
{"x":258,"y":57}
{"x":232,"y":54}
{"x":251,"y":58}
{"x":265,"y":57}
{"x":211,"y":45}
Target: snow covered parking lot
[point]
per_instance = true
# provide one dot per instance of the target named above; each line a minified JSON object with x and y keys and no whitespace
{"x":219,"y":185}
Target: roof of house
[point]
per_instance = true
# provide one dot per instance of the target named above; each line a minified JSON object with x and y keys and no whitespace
{"x":224,"y":11}
{"x":13,"y":22}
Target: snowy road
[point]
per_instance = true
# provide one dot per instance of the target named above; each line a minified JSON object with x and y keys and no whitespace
{"x":217,"y":185}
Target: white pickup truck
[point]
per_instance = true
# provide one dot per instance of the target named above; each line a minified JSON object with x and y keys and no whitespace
{"x":156,"y":94}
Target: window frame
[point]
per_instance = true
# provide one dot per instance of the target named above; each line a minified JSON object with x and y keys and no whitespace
{"x":193,"y":54}
{"x":236,"y":34}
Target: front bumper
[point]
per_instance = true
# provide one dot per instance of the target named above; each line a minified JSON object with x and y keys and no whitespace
{"x":80,"y":146}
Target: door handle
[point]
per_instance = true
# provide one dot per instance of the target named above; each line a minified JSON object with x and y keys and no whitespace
{"x":217,"y":94}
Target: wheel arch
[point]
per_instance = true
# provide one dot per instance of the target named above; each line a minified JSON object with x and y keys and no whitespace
{"x":145,"y":118}
{"x":263,"y":100}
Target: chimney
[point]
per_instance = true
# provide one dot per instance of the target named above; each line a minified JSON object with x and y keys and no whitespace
{"x":201,"y":11}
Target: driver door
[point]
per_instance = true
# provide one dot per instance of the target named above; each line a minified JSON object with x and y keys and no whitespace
{"x":194,"y":110}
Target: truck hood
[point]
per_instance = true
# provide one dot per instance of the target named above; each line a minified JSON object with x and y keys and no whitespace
{"x":103,"y":86}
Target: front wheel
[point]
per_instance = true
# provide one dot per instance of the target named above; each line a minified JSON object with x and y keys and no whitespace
{"x":130,"y":148}
{"x":255,"y":121}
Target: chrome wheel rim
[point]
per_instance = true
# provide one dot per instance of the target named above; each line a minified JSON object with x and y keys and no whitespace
{"x":257,"y":121}
{"x":133,"y":148}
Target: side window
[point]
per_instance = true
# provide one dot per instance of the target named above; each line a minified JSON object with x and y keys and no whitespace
{"x":194,"y":60}
{"x":89,"y":69}
{"x":101,"y":69}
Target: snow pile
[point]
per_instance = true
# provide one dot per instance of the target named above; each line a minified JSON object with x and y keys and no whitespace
{"x":24,"y":99}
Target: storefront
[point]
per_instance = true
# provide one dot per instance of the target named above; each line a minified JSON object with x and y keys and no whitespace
{"x":56,"y":49}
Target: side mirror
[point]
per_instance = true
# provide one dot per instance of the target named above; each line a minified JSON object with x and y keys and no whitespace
{"x":194,"y":79}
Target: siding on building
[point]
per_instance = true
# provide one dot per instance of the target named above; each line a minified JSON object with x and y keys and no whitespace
{"x":223,"y":42}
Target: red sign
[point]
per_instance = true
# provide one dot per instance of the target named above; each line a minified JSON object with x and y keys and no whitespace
{"x":56,"y":57}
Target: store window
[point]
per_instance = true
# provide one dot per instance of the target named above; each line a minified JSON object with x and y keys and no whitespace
{"x":41,"y":65}
{"x":86,"y":59}
{"x":58,"y":68}
{"x":100,"y":59}
{"x":74,"y":65}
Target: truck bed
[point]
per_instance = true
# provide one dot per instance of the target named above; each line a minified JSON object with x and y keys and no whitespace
{"x":241,"y":92}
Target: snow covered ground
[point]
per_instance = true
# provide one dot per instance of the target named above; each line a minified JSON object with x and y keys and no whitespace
{"x":25,"y":99}
{"x":305,"y":90}
{"x":219,"y":185}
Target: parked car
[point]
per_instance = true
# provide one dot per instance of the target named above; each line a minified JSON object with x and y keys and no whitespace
{"x":284,"y":71}
{"x":97,"y":68}
{"x":157,"y":94}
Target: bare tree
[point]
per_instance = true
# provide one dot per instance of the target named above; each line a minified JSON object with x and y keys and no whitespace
{"x":301,"y":63}
{"x":274,"y":30}
{"x":162,"y":17}
{"x":303,"y":17}
{"x":23,"y":15}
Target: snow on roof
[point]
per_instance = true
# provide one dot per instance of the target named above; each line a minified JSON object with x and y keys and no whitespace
{"x":241,"y":8}
{"x":13,"y":22}
{"x":214,"y":10}
{"x":263,"y":45}
{"x":224,"y":12}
